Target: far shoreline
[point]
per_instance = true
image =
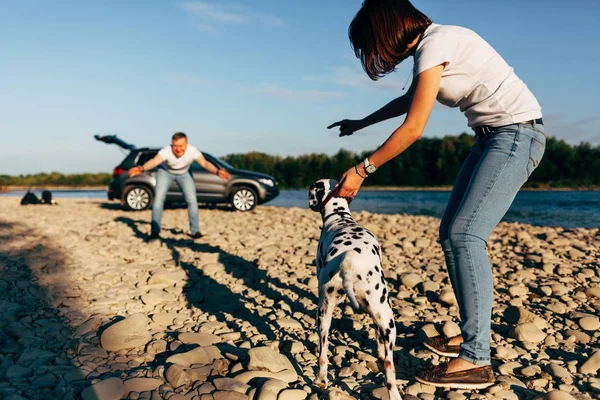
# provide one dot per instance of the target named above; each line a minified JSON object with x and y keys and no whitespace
{"x":14,"y":188}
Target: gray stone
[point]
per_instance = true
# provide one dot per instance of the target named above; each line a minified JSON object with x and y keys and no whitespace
{"x":591,"y":365}
{"x":108,"y":389}
{"x":176,"y":376}
{"x":200,"y":338}
{"x":267,"y":359}
{"x":127,"y":334}
{"x":200,"y":355}
{"x":141,"y":385}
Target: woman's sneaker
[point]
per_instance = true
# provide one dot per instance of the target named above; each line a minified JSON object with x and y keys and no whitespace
{"x":441,"y":345}
{"x":476,"y":378}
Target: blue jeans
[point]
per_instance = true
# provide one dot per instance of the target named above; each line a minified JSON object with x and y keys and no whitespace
{"x":489,"y":179}
{"x":187,"y":185}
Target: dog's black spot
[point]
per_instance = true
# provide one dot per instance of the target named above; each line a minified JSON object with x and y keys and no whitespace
{"x":370,"y":273}
{"x":384,"y":291}
{"x":368,"y":292}
{"x":370,"y":233}
{"x":377,"y":268}
{"x":366,"y":242}
{"x":341,"y":291}
{"x":333,"y":251}
{"x":338,"y":241}
{"x":382,"y":279}
{"x":359,"y":277}
{"x":348,"y":243}
{"x":357,"y":249}
{"x":357,"y":229}
{"x":374,"y":252}
{"x":335,"y":203}
{"x":391,"y":323}
{"x":330,"y":289}
{"x":382,"y":299}
{"x":377,"y":287}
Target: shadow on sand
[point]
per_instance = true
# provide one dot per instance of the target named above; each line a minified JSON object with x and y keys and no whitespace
{"x":34,"y":336}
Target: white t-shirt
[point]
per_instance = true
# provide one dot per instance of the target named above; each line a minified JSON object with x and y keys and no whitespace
{"x":476,"y":78}
{"x":178,"y":165}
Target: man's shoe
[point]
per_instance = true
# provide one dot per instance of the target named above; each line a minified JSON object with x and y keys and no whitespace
{"x":441,"y":345}
{"x":154,"y":237}
{"x":476,"y":378}
{"x":196,"y":235}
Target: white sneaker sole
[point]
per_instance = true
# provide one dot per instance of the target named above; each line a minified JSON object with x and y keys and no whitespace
{"x":441,"y":353}
{"x":465,"y":386}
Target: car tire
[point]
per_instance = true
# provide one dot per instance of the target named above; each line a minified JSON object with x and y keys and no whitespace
{"x":244,"y":198}
{"x":137,"y":198}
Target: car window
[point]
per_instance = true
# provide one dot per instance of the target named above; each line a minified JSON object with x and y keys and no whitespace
{"x":145,"y":156}
{"x":217,"y":161}
{"x":197,"y":167}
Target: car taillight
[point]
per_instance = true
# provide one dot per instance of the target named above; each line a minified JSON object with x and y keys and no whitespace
{"x":118,"y":172}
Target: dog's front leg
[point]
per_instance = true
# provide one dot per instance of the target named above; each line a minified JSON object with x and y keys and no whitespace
{"x":324,"y":315}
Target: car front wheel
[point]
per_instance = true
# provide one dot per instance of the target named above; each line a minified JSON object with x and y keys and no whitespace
{"x":244,"y":199}
{"x":136,"y":198}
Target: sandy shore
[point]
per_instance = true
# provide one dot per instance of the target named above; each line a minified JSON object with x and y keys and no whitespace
{"x":89,"y":310}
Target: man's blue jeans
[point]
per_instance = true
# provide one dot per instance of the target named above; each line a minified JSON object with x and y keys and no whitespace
{"x":187,"y":185}
{"x":494,"y":171}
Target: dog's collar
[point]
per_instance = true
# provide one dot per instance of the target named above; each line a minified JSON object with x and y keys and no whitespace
{"x":334,"y":193}
{"x":335,"y":213}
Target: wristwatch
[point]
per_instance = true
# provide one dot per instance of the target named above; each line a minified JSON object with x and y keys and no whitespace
{"x":370,"y":168}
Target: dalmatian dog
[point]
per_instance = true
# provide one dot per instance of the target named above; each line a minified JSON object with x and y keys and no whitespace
{"x":349,"y":263}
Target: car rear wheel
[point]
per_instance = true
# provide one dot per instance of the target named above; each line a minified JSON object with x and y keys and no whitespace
{"x":136,"y":198}
{"x":244,"y":198}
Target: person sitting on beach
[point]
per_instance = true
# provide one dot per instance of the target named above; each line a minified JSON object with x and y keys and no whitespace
{"x":460,"y":69}
{"x":175,"y":161}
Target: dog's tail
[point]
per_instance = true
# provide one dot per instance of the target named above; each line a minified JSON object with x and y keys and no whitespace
{"x":346,"y":273}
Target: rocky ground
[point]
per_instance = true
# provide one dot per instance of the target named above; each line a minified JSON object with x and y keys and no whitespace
{"x":89,"y":310}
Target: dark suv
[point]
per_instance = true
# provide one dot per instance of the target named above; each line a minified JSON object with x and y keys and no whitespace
{"x":243,"y":191}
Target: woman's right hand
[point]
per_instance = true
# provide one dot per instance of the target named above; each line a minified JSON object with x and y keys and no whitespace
{"x":135,"y":171}
{"x":348,"y":126}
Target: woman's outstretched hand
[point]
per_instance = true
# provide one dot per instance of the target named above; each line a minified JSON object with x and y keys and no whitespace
{"x":350,"y":183}
{"x":347,"y":126}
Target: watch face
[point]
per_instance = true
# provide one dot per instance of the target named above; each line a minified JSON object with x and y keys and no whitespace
{"x":371,"y":169}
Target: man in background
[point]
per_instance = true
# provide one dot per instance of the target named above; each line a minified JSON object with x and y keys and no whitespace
{"x":175,"y":161}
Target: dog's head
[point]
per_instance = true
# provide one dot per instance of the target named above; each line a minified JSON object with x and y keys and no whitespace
{"x":318,"y":192}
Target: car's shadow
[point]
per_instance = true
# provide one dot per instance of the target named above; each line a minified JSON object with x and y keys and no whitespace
{"x":175,"y":206}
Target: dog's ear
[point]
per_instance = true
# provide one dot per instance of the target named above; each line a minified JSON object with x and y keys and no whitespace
{"x":316,"y":192}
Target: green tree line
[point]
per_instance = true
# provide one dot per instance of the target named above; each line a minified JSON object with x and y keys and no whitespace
{"x":56,"y":179}
{"x":428,"y":162}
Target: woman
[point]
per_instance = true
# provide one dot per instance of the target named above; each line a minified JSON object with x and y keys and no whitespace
{"x":460,"y":69}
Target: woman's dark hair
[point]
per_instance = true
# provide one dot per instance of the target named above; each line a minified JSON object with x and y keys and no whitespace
{"x":381,"y":32}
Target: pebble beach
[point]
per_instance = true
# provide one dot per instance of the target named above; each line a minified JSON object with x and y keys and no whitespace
{"x":89,"y":310}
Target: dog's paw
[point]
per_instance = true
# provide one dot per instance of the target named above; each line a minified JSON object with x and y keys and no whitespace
{"x":321,"y":382}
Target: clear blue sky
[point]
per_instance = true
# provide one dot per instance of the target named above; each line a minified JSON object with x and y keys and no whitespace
{"x":260,"y":75}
